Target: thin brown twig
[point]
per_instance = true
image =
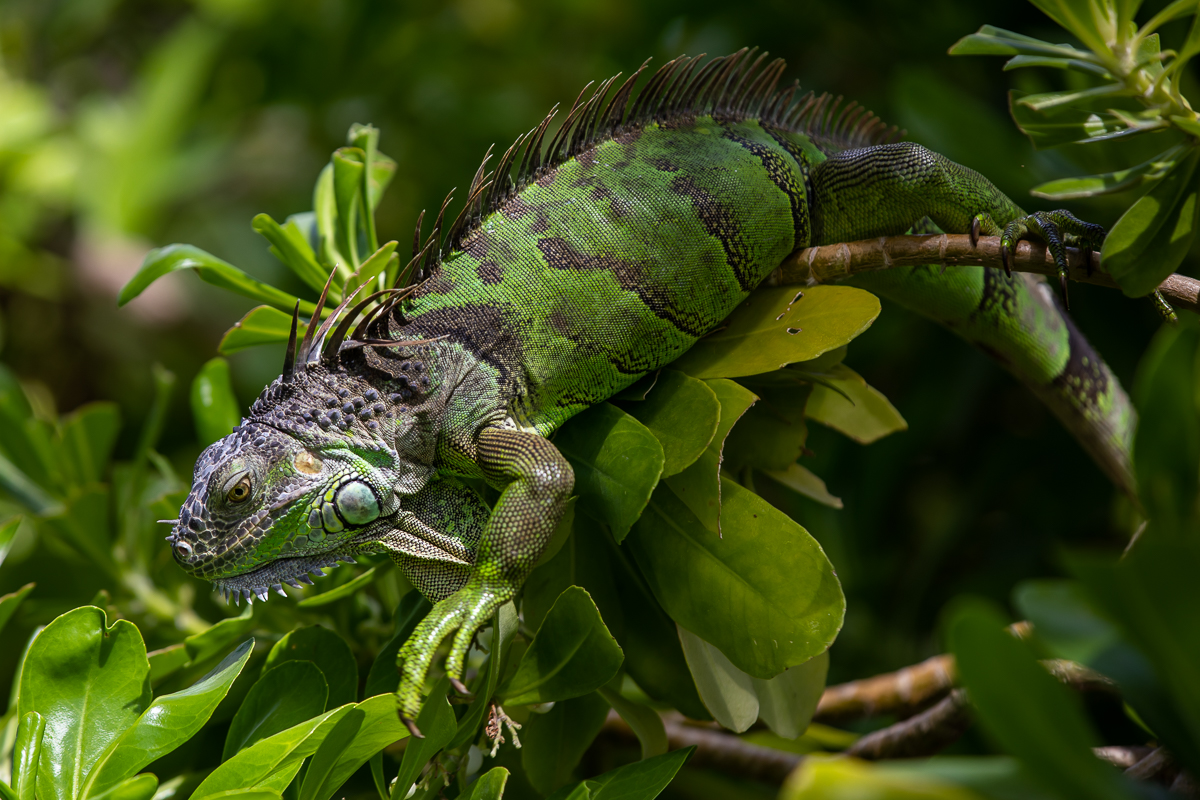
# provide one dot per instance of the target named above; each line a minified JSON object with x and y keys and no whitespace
{"x":923,"y":734}
{"x":834,"y":262}
{"x":901,"y":692}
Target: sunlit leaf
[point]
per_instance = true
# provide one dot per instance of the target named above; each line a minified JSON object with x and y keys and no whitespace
{"x":642,"y":780}
{"x":214,"y":406}
{"x":318,"y":783}
{"x":850,"y":779}
{"x":290,"y":246}
{"x":139,"y":787}
{"x":1151,"y":238}
{"x":572,"y":654}
{"x":261,"y":325}
{"x":993,"y":41}
{"x":865,"y":417}
{"x":488,"y":786}
{"x":763,"y":592}
{"x":381,"y":727}
{"x":436,"y":721}
{"x":617,"y":463}
{"x":780,"y":326}
{"x":27,"y":754}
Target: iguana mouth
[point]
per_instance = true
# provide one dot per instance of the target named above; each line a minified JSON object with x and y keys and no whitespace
{"x":271,"y":577}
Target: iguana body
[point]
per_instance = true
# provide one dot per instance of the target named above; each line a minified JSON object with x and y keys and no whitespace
{"x":623,"y":241}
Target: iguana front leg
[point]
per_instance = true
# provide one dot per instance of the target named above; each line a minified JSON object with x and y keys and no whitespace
{"x":536,"y":482}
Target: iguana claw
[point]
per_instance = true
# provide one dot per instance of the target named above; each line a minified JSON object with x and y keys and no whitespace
{"x":1058,"y":229}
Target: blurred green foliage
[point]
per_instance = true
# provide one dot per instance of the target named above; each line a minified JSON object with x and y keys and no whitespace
{"x":132,"y":123}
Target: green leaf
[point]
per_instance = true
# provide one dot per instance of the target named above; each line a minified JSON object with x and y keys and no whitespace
{"x":802,"y":481}
{"x":326,"y":212}
{"x":682,"y":413}
{"x":1063,"y":620}
{"x":170,"y":721}
{"x":245,"y":794}
{"x":1067,"y":124}
{"x":552,"y":743}
{"x":380,"y":728}
{"x":1151,"y":595}
{"x":317,"y":784}
{"x":1151,"y":238}
{"x":572,"y":654}
{"x":772,"y":432}
{"x":617,"y":463}
{"x":1166,"y":447}
{"x":488,"y":786}
{"x":214,"y":406}
{"x":383,"y":676}
{"x":865,"y":417}
{"x":1086,"y":19}
{"x":788,"y":701}
{"x":764,"y":593}
{"x":10,"y":601}
{"x":1026,"y":710}
{"x":781,"y":326}
{"x":699,"y":486}
{"x":283,"y":697}
{"x":436,"y":721}
{"x":1111,"y":182}
{"x":140,"y":787}
{"x":7,"y":792}
{"x":86,"y":438}
{"x":727,"y":691}
{"x":27,"y":754}
{"x":347,"y":186}
{"x":203,"y":646}
{"x":643,"y":720}
{"x":277,"y":757}
{"x":642,"y":780}
{"x":167,"y":661}
{"x":1057,"y":62}
{"x":290,"y":245}
{"x":261,"y":325}
{"x":347,"y":589}
{"x":993,"y":41}
{"x":372,"y":267}
{"x":1072,"y":97}
{"x":850,"y":779}
{"x":8,"y":532}
{"x":329,"y":652}
{"x":91,"y":683}
{"x":211,"y":269}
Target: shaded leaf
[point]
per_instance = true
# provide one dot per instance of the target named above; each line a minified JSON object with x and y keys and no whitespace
{"x":317,"y":783}
{"x":380,"y":728}
{"x":764,"y":593}
{"x":1068,"y":124}
{"x":347,"y":589}
{"x":290,"y":245}
{"x":682,"y":413}
{"x":780,"y":326}
{"x":384,"y":676}
{"x":329,"y":652}
{"x":214,"y":405}
{"x":206,"y":644}
{"x":727,"y":691}
{"x":552,"y":743}
{"x":436,"y":721}
{"x":167,"y":661}
{"x":645,"y":722}
{"x":1118,"y":181}
{"x":86,"y":438}
{"x":617,"y":463}
{"x":865,"y":417}
{"x":787,"y":701}
{"x":488,"y":786}
{"x":283,"y":697}
{"x":1026,"y":710}
{"x":802,"y":481}
{"x":10,"y":601}
{"x":992,"y":41}
{"x":1063,"y":620}
{"x":504,"y":627}
{"x":642,"y":780}
{"x":772,"y":432}
{"x":571,"y":655}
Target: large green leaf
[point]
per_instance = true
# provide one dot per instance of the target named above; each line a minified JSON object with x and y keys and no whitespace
{"x":571,"y":655}
{"x":1151,"y":595}
{"x":781,"y":326}
{"x":261,"y":325}
{"x":329,"y":652}
{"x":318,"y":778}
{"x":727,"y":691}
{"x":169,"y":721}
{"x":847,"y":404}
{"x":552,"y":743}
{"x":763,"y":592}
{"x":771,"y":434}
{"x":380,"y":727}
{"x":642,"y":780}
{"x":1151,"y":238}
{"x":992,"y":41}
{"x":682,"y":412}
{"x":1027,"y":711}
{"x":1166,"y":449}
{"x":488,"y":786}
{"x":91,"y":683}
{"x":214,"y":406}
{"x":284,"y":696}
{"x":437,"y":724}
{"x":617,"y":462}
{"x":212,"y":270}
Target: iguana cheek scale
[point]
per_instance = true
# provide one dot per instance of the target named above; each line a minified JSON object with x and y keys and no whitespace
{"x":618,"y":243}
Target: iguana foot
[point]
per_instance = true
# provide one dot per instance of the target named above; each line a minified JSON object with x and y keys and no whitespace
{"x":462,"y":614}
{"x":1059,"y":230}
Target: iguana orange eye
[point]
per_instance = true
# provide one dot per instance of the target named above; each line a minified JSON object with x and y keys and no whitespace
{"x":240,"y":491}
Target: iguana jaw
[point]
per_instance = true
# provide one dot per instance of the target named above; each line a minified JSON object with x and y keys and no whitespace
{"x":272,"y":576}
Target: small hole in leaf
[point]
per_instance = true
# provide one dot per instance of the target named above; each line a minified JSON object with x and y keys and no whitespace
{"x":794,"y":331}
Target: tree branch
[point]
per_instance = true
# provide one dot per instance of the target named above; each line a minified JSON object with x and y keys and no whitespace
{"x":902,"y":692}
{"x":834,"y":262}
{"x":924,"y":734}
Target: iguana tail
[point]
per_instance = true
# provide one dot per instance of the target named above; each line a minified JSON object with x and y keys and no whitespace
{"x":1019,"y":322}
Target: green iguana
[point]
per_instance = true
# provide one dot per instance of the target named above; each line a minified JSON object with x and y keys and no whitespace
{"x":634,"y":231}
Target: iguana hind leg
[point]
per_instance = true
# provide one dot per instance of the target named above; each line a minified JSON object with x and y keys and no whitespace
{"x":536,"y":482}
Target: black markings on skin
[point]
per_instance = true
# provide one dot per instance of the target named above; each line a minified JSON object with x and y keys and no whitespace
{"x":722,"y":224}
{"x":664,"y":165}
{"x":999,"y":294}
{"x":490,"y":272}
{"x":630,"y":276}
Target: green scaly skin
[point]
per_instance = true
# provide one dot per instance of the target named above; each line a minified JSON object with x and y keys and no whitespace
{"x":639,"y":233}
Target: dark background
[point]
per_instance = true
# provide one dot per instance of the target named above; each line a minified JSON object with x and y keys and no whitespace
{"x":126,"y":125}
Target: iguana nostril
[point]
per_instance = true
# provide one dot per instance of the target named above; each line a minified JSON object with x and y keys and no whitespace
{"x":183,"y":550}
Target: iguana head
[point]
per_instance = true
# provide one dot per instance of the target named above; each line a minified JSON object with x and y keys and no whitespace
{"x":310,"y":478}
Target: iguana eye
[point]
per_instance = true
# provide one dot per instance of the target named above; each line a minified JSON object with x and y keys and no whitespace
{"x":240,"y":491}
